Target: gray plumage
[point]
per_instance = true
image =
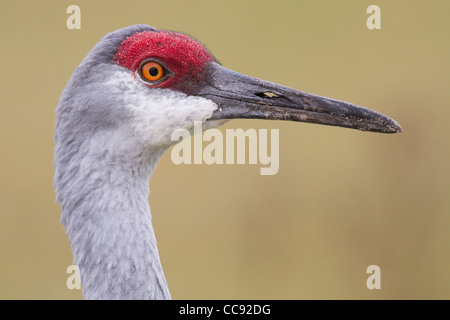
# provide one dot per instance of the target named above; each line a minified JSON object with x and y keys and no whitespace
{"x":102,"y":183}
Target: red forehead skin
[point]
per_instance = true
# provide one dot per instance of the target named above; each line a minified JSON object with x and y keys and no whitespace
{"x":184,"y":57}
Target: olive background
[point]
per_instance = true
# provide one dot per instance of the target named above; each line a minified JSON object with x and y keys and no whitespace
{"x":342,"y":200}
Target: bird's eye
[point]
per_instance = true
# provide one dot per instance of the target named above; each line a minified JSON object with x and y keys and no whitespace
{"x":151,"y":71}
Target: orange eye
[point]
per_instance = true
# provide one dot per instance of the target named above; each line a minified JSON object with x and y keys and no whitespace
{"x":152,"y":71}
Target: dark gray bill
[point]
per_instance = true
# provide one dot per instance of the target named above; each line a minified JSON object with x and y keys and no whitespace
{"x":242,"y":97}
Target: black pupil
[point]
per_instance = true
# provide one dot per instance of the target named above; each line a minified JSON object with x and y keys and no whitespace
{"x":153,"y":71}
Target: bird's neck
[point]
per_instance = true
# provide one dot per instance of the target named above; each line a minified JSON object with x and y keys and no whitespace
{"x":107,"y":218}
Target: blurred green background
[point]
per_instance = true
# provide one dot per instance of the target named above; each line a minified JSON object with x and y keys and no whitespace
{"x":342,"y":199}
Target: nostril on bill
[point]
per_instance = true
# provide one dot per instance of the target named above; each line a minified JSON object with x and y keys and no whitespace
{"x":267,"y":94}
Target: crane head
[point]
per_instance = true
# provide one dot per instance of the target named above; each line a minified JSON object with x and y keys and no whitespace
{"x":116,"y":118}
{"x":164,"y":80}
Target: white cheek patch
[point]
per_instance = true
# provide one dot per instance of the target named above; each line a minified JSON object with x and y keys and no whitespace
{"x":158,"y":112}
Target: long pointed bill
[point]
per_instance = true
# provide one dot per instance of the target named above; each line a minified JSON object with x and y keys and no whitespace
{"x":241,"y":97}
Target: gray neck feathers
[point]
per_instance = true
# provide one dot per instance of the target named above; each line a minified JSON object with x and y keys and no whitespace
{"x":104,"y":198}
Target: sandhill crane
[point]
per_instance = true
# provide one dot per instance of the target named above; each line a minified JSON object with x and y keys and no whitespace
{"x":114,"y":121}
